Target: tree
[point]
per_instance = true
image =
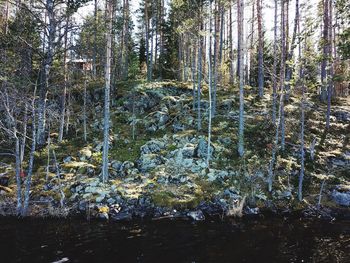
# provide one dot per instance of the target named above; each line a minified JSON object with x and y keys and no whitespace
{"x":106,"y":119}
{"x":260,"y":50}
{"x":240,"y":48}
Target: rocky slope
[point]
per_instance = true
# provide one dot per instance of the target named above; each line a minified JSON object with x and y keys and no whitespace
{"x":157,"y":159}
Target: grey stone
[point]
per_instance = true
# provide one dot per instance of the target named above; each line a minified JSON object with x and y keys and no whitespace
{"x":341,"y":198}
{"x":201,"y":150}
{"x":153,"y":146}
{"x":196,"y":215}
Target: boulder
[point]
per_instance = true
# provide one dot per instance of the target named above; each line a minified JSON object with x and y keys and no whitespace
{"x":4,"y":180}
{"x":85,"y":154}
{"x":201,"y":150}
{"x":342,"y":116}
{"x":341,"y":195}
{"x":153,"y":146}
{"x":196,"y":215}
{"x":149,"y":161}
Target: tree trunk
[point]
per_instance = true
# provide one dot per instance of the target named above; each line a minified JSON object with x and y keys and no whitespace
{"x":231,"y":47}
{"x":45,"y":70}
{"x":302,"y":130}
{"x":260,"y":50}
{"x":199,"y":118}
{"x":291,"y":50}
{"x":330,"y":70}
{"x":210,"y":86}
{"x":240,"y":48}
{"x":94,"y":55}
{"x":84,"y":109}
{"x":65,"y":72}
{"x":274,"y":71}
{"x":325,"y":50}
{"x":31,"y":161}
{"x":107,"y":93}
{"x":283,"y":72}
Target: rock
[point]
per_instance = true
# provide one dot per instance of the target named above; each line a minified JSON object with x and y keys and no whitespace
{"x":341,"y":195}
{"x":342,"y":116}
{"x":127,"y":165}
{"x":201,"y":150}
{"x":121,"y":216}
{"x":188,"y":151}
{"x":4,"y":180}
{"x":251,"y":211}
{"x":177,"y":127}
{"x":225,"y":140}
{"x":142,"y":101}
{"x":161,"y":117}
{"x":149,"y":161}
{"x":98,"y":147}
{"x":153,"y":146}
{"x":196,"y":215}
{"x":116,"y":165}
{"x":231,"y":194}
{"x":67,"y":159}
{"x":85,"y":154}
{"x":110,"y":201}
{"x":226,"y":104}
{"x":216,"y":175}
{"x":100,"y":198}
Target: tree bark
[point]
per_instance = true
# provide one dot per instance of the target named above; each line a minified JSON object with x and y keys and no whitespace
{"x":107,"y":92}
{"x":240,"y":19}
{"x":260,"y":50}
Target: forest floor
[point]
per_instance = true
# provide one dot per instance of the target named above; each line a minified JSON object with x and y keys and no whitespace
{"x":157,"y":157}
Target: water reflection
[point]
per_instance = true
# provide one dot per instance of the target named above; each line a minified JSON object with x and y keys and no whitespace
{"x":267,"y":240}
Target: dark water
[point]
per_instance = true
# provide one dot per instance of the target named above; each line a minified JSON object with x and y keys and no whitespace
{"x":247,"y":240}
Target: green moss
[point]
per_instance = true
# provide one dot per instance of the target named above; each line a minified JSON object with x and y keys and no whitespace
{"x":130,"y":151}
{"x":176,"y":200}
{"x":171,"y":147}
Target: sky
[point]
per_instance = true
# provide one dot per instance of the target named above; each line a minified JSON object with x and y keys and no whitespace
{"x":268,"y":13}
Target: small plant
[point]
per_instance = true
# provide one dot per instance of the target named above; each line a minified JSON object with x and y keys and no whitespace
{"x":236,"y":208}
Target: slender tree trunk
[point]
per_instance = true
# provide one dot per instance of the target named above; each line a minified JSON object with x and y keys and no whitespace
{"x":150,"y":73}
{"x":274,"y":71}
{"x":193,"y":66}
{"x":280,"y":120}
{"x":330,"y":70}
{"x":260,"y":50}
{"x":210,"y":86}
{"x":240,"y":19}
{"x":84,"y":109}
{"x":18,"y":173}
{"x":302,"y":130}
{"x":147,"y":25}
{"x":31,"y":161}
{"x":107,"y":92}
{"x":24,"y":136}
{"x":283,"y":72}
{"x":65,"y":73}
{"x":251,"y":46}
{"x":291,"y":50}
{"x":94,"y":55}
{"x":231,"y":47}
{"x":47,"y":63}
{"x":199,"y":118}
{"x":325,"y":50}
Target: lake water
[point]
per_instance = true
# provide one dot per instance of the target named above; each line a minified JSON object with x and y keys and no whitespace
{"x":245,"y":240}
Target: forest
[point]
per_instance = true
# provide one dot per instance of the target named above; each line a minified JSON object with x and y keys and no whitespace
{"x":123,"y":110}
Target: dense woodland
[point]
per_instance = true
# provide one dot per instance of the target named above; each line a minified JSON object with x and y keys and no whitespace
{"x":180,"y":107}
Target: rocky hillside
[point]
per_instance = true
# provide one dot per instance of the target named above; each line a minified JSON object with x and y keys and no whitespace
{"x":157,"y":159}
